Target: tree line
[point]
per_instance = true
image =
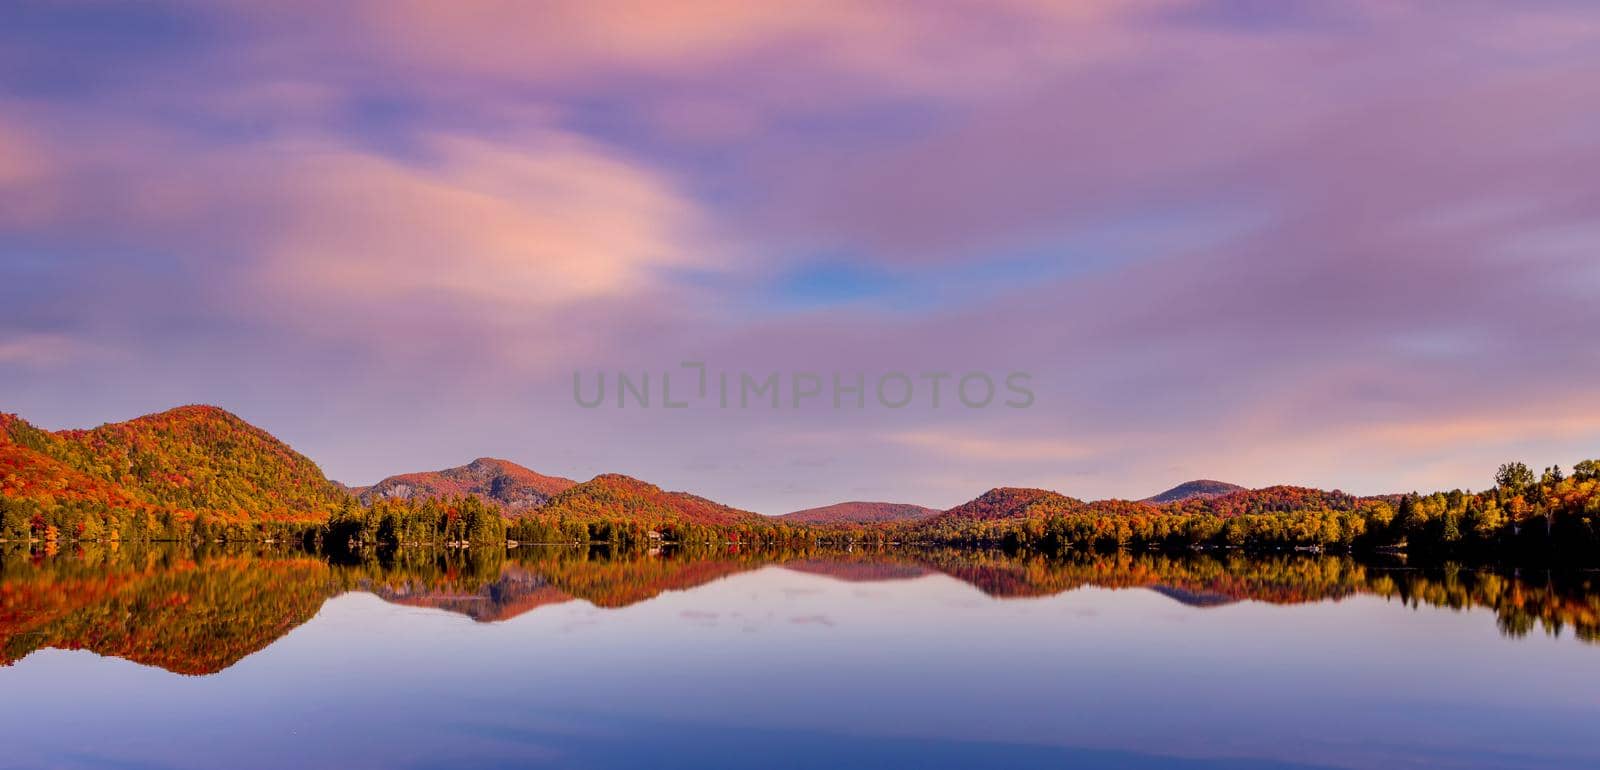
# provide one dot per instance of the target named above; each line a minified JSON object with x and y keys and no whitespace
{"x":1553,"y":513}
{"x":1523,"y":514}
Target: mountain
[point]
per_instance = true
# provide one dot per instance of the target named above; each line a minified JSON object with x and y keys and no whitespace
{"x":613,"y":496}
{"x":1009,"y":502}
{"x":856,"y":512}
{"x":349,"y":490}
{"x":497,"y":481}
{"x":1188,"y":490}
{"x":634,"y":578}
{"x":31,"y":480}
{"x":1114,"y":507}
{"x":1274,"y":499}
{"x":187,"y":460}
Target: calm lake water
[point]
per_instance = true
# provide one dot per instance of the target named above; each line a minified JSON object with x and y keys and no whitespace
{"x":565,"y":657}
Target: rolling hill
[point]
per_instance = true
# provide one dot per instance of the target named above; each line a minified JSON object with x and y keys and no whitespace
{"x":857,"y":512}
{"x":187,"y":460}
{"x":503,"y":482}
{"x":613,"y":495}
{"x":1189,"y":490}
{"x":1009,"y":502}
{"x":199,"y":473}
{"x":1274,"y":499}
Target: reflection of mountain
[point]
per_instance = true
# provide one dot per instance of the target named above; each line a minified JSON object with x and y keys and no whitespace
{"x":200,"y":613}
{"x":1548,"y":599}
{"x":1278,"y":580}
{"x":536,"y":578}
{"x":858,"y":570}
{"x":1195,"y":598}
{"x":185,"y":616}
{"x":619,"y":582}
{"x":513,"y":593}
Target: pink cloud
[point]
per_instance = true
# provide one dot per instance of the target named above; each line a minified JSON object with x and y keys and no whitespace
{"x":38,"y":350}
{"x":25,"y":166}
{"x":896,"y":43}
{"x":550,"y":221}
{"x":513,"y":251}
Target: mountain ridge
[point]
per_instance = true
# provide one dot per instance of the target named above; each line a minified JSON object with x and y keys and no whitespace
{"x":201,"y":473}
{"x":183,"y":461}
{"x":1203,"y":488}
{"x":859,"y":512}
{"x":1010,"y":502}
{"x":612,"y":493}
{"x":513,"y":486}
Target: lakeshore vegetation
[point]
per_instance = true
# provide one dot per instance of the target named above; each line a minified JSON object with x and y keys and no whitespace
{"x":199,"y":473}
{"x":199,"y":609}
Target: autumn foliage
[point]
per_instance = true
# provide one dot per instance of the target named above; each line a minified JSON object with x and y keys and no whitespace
{"x":190,"y":472}
{"x":199,"y":611}
{"x":200,"y":473}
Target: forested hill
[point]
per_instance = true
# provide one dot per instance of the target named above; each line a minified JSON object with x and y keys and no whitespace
{"x":613,"y":495}
{"x":1523,"y":515}
{"x":857,"y":512}
{"x":182,"y":462}
{"x":1010,"y":502}
{"x":1202,"y":488}
{"x":200,"y":473}
{"x":502,"y":482}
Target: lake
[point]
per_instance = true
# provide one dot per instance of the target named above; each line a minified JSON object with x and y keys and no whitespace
{"x":572,"y":657}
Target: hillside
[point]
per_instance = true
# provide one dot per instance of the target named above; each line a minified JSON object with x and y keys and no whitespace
{"x":1010,"y":502}
{"x":1199,"y":488}
{"x":615,"y":496}
{"x":1116,"y":507}
{"x":1274,"y":499}
{"x":497,"y":481}
{"x":857,"y":512}
{"x":35,"y":480}
{"x":198,"y":473}
{"x":177,"y":464}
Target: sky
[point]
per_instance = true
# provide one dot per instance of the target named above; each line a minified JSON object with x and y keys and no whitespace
{"x":1348,"y":244}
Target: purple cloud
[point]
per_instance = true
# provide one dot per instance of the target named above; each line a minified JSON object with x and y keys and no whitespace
{"x":1343,"y":244}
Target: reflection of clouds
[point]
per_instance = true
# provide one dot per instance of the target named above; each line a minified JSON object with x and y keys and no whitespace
{"x":812,"y":620}
{"x":700,"y":617}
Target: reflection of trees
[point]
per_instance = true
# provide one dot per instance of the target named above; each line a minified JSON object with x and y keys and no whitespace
{"x":490,"y":584}
{"x":199,"y":611}
{"x":190,"y":614}
{"x":857,"y":570}
{"x":1280,"y":580}
{"x":621,"y":583}
{"x":1550,"y":599}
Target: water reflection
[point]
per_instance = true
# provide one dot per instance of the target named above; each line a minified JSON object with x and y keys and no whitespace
{"x":200,"y":611}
